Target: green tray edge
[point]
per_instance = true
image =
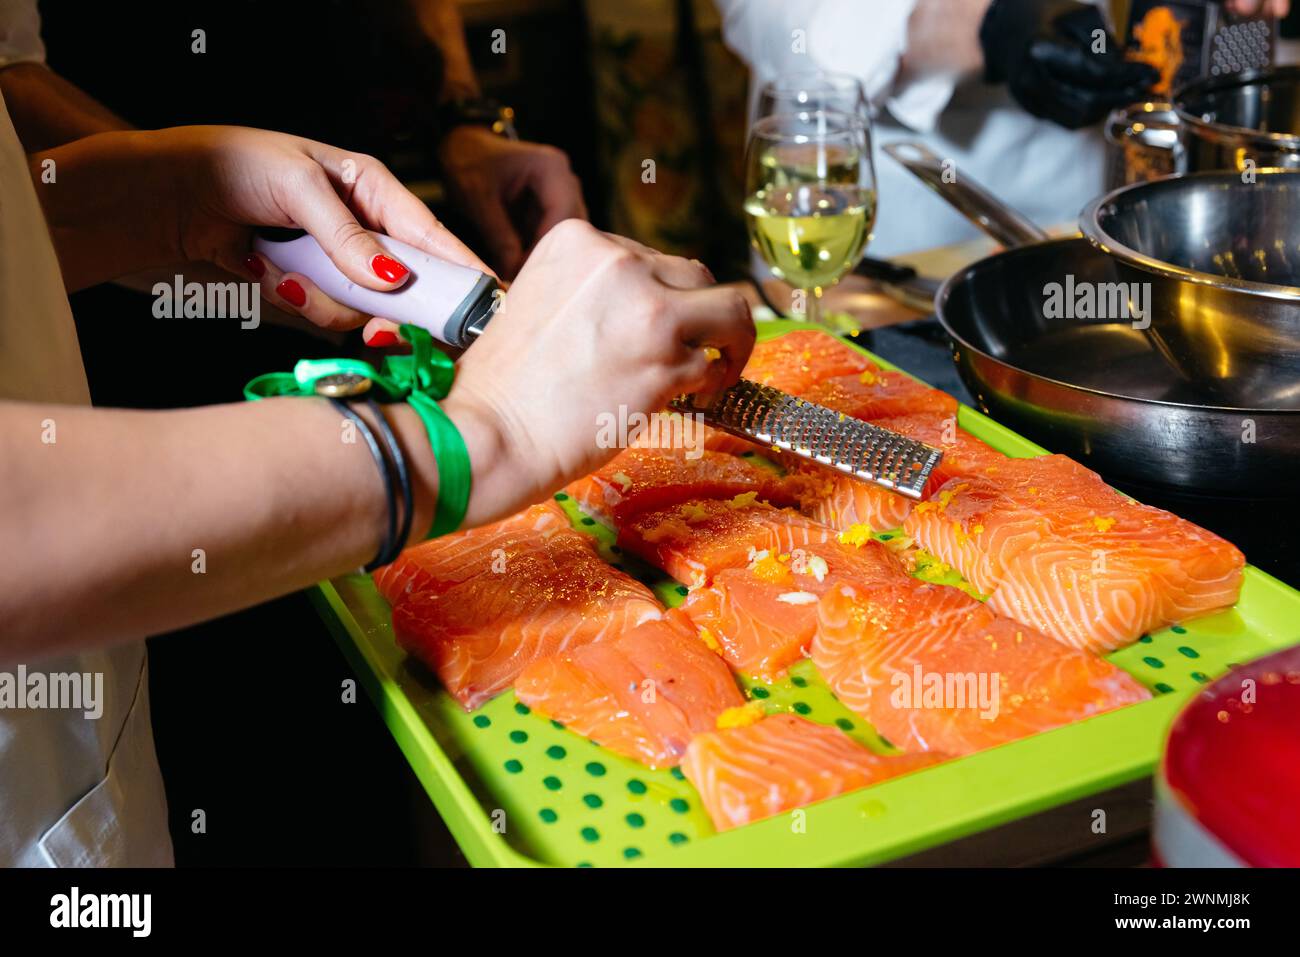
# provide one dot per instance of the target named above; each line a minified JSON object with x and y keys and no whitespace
{"x":909,"y":802}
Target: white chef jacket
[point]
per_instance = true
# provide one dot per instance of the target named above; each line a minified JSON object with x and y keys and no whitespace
{"x":1045,"y":171}
{"x":74,"y":790}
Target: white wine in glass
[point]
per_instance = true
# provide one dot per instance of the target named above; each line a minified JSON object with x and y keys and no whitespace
{"x":811,"y":200}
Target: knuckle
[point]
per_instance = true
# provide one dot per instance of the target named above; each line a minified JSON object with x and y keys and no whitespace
{"x":350,"y":235}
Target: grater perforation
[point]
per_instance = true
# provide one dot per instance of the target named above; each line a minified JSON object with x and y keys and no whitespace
{"x":775,"y":419}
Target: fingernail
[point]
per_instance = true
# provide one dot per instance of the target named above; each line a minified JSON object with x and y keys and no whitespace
{"x":255,"y":265}
{"x":707,"y":271}
{"x":382,"y":338}
{"x":292,"y":293}
{"x":388,"y":269}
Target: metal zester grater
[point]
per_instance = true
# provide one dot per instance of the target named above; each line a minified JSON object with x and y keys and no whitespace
{"x":774,"y":418}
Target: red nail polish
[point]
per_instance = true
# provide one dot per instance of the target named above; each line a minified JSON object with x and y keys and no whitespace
{"x":255,"y":265}
{"x":382,"y":338}
{"x":292,"y":293}
{"x":388,"y":269}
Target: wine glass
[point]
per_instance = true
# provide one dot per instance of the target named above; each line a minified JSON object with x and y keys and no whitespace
{"x":812,"y":90}
{"x":810,"y":198}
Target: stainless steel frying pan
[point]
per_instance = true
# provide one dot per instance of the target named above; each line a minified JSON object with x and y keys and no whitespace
{"x":1097,"y":390}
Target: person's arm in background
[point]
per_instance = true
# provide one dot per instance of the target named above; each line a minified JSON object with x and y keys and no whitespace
{"x":909,"y":54}
{"x":46,"y":110}
{"x":513,"y":190}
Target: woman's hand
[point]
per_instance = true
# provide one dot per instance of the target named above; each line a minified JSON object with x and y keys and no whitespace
{"x":594,"y":324}
{"x":123,"y":202}
{"x":515,"y":191}
{"x":239,"y":177}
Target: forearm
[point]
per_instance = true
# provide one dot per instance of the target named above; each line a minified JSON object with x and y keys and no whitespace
{"x":441,"y":23}
{"x":111,"y":206}
{"x":943,"y":36}
{"x":48,"y":111}
{"x":131,"y":523}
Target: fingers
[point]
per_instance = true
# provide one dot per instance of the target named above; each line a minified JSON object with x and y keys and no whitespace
{"x":498,"y":232}
{"x":674,"y":271}
{"x":380,"y":332}
{"x":716,"y":318}
{"x":316,"y":207}
{"x":557,"y":191}
{"x":295,"y":293}
{"x":385,"y":205}
{"x":681,"y":273}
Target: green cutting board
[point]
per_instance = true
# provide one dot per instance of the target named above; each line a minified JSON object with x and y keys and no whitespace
{"x":517,"y":789}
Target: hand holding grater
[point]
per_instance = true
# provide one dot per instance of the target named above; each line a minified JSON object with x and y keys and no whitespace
{"x":813,"y":432}
{"x":455,"y":304}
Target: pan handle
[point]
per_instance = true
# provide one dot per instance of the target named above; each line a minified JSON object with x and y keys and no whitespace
{"x":1152,"y":125}
{"x":973,"y":201}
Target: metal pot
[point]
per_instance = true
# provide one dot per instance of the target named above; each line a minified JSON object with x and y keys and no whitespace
{"x":1217,"y":123}
{"x":1218,"y":257}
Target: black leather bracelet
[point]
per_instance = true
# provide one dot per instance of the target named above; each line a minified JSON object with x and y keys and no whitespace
{"x":397,"y":461}
{"x":390,"y":533}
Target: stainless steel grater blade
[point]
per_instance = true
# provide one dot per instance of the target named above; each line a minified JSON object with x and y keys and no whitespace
{"x":776,"y":419}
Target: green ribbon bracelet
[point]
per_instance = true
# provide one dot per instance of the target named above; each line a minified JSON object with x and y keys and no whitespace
{"x":419,"y":379}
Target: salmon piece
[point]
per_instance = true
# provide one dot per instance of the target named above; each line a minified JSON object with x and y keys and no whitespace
{"x":782,"y":762}
{"x":638,"y":480}
{"x":479,"y":606}
{"x":832,"y":498}
{"x":932,"y":669}
{"x":695,"y":435}
{"x":763,"y":616}
{"x":963,"y":454}
{"x":1055,"y":548}
{"x":426,"y":567}
{"x":695,"y":540}
{"x":642,"y":695}
{"x":835,"y":499}
{"x":798,"y":360}
{"x":876,"y":393}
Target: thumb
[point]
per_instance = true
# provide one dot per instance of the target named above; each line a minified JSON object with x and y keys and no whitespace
{"x":356,"y":253}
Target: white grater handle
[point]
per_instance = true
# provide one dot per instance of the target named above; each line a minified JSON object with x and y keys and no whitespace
{"x":452,"y":301}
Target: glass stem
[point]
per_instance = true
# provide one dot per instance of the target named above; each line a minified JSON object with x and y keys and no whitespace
{"x":813,"y":306}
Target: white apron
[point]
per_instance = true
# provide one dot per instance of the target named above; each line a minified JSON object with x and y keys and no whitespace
{"x":75,"y":791}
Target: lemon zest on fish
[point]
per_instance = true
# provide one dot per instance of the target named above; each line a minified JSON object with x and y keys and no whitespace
{"x":741,"y":716}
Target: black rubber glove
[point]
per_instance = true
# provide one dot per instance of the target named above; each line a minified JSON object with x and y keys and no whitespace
{"x":1043,"y":51}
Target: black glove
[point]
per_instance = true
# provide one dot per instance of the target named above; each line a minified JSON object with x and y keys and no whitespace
{"x":1042,"y":49}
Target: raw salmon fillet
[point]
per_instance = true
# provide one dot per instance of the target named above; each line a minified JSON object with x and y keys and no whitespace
{"x":835,"y":499}
{"x":638,"y":480}
{"x":642,"y":695}
{"x":695,"y":540}
{"x":782,"y":762}
{"x":840,"y":501}
{"x":763,"y":616}
{"x":932,"y":669}
{"x":1057,"y":549}
{"x":479,"y":606}
{"x":876,"y":393}
{"x":687,"y":437}
{"x":963,"y":454}
{"x":798,"y":360}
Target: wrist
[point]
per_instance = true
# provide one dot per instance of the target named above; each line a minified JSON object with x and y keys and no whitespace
{"x":489,"y":456}
{"x":410,"y":433}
